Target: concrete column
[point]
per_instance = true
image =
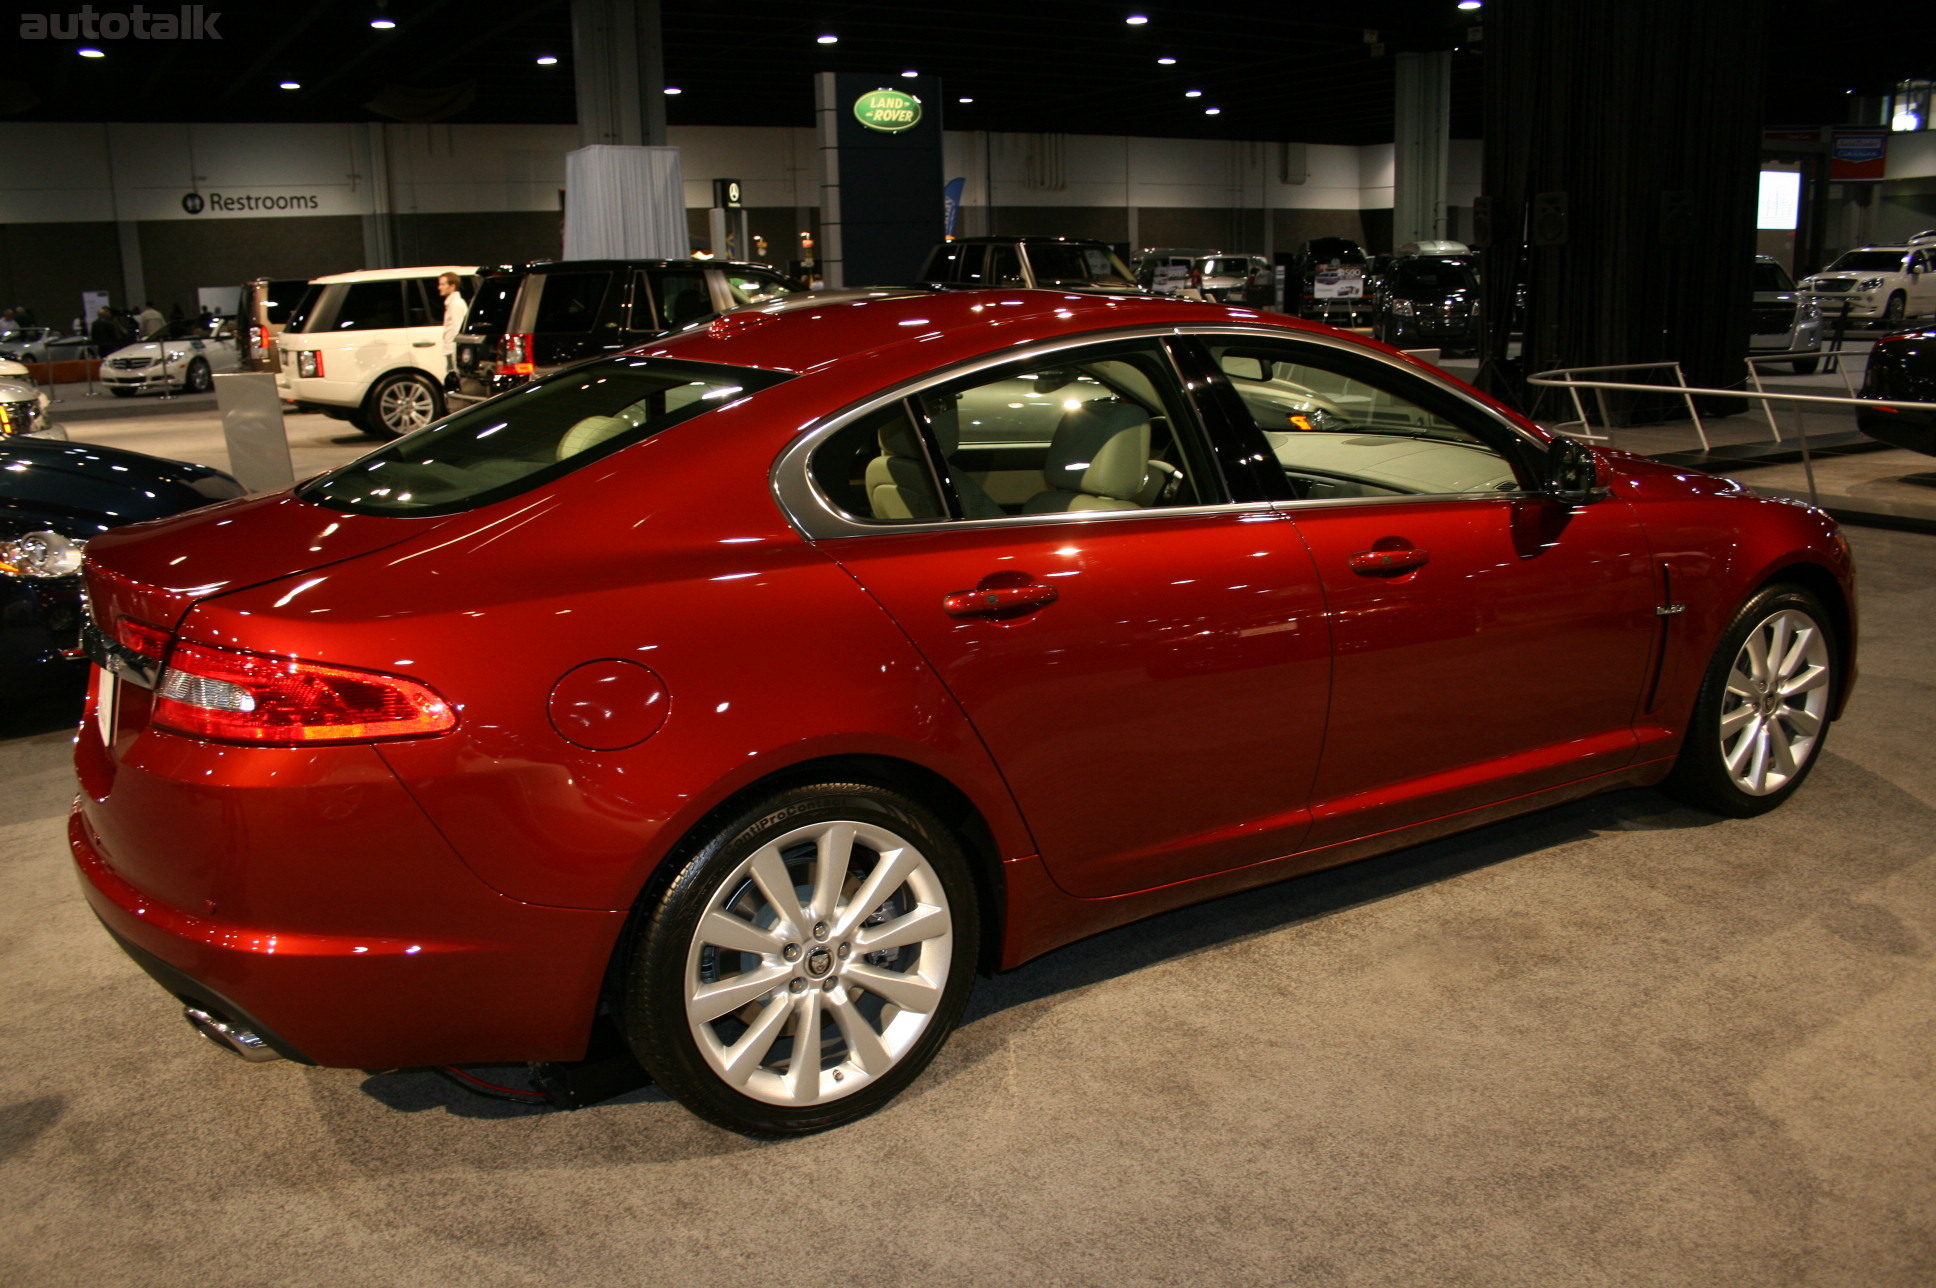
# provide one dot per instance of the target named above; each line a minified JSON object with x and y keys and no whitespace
{"x":827,"y":117}
{"x":1422,"y":143}
{"x":618,"y":66}
{"x":134,"y":283}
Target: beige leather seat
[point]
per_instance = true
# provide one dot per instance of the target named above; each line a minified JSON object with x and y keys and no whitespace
{"x":899,"y":485}
{"x":593,"y":430}
{"x":1098,"y":460}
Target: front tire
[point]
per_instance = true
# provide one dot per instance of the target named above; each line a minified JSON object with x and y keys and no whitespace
{"x":199,"y":379}
{"x":401,"y":402}
{"x":839,"y":910}
{"x":1763,"y":709}
{"x":1806,"y":366}
{"x":1895,"y":310}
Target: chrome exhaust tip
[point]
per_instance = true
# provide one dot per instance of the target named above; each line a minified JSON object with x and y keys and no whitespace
{"x":231,"y":1037}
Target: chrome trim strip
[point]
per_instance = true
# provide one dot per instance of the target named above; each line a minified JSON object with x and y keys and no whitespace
{"x":815,"y":517}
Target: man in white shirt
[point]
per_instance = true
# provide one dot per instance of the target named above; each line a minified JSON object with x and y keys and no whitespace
{"x":455,"y":311}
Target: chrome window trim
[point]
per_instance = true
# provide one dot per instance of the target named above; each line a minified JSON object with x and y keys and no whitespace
{"x":815,"y":517}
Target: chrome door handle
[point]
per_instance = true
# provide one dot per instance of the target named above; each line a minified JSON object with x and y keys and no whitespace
{"x":1374,"y":563}
{"x":1000,"y":602}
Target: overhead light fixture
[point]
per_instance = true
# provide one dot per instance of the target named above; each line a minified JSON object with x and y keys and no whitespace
{"x":1193,"y":93}
{"x":90,"y":52}
{"x":1213,"y":111}
{"x":1469,"y":4}
{"x":547,"y":60}
{"x":1166,"y":62}
{"x":673,"y":89}
{"x":383,"y":24}
{"x":964,"y":100}
{"x":1136,"y":19}
{"x":290,"y":85}
{"x":1905,"y":121}
{"x":910,"y":73}
{"x":828,"y":40}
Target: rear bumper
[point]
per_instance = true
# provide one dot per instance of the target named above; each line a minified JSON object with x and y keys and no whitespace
{"x":337,"y":923}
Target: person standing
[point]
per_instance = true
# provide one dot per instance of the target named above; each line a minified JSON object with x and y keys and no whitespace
{"x":149,"y":323}
{"x":106,"y":333}
{"x":450,"y":286}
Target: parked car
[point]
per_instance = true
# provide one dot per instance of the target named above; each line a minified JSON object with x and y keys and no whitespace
{"x":24,"y":405}
{"x":1885,"y":284}
{"x":1785,"y":320}
{"x":185,"y":358}
{"x":1333,"y":273}
{"x":1208,"y":275}
{"x":366,"y":348}
{"x":1048,"y":262}
{"x":1428,"y":300}
{"x":1902,"y":367}
{"x":54,"y":498}
{"x":751,"y":690}
{"x":43,"y":344}
{"x":264,"y":311}
{"x":527,"y":321}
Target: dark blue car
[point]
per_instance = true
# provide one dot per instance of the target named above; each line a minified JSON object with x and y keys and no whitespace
{"x":54,"y":497}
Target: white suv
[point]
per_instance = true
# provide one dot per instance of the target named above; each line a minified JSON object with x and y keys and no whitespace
{"x":1884,"y":283}
{"x":366,"y":347}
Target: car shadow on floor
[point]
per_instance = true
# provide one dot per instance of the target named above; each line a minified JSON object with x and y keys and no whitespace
{"x":1231,"y":919}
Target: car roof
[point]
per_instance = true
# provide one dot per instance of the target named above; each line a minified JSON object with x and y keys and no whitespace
{"x":396,"y":274}
{"x":575,"y":265}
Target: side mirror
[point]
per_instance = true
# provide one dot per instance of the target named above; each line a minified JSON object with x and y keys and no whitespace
{"x":1573,"y":473}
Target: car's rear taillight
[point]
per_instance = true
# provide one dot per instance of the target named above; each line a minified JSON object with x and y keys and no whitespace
{"x":231,"y":696}
{"x":309,"y":363}
{"x":256,"y":346}
{"x":150,"y":642}
{"x":514,"y":355}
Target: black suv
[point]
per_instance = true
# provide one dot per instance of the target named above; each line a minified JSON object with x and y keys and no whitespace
{"x":528,"y":319}
{"x":1333,"y":271}
{"x":1050,"y":262}
{"x":1427,"y":301}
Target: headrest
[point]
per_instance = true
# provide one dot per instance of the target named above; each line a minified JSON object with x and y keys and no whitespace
{"x":897,"y":438}
{"x":590,"y":432}
{"x":1101,"y":448}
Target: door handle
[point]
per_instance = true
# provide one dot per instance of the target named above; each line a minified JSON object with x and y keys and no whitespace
{"x":1375,"y":563}
{"x":423,"y":344}
{"x":1001,"y":601}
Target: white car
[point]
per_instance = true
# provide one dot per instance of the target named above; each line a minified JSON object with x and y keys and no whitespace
{"x":183,"y":359}
{"x":1883,"y":283}
{"x":367,"y":348}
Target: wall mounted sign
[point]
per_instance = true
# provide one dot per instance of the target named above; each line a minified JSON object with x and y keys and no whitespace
{"x":888,"y":110}
{"x":1859,"y":155}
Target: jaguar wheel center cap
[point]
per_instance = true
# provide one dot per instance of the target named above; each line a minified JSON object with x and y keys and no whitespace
{"x":819,"y":962}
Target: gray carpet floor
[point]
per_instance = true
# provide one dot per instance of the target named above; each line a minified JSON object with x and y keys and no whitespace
{"x":1619,"y":1042}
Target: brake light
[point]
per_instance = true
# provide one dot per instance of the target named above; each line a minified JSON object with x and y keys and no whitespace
{"x":150,"y":642}
{"x":256,"y":347}
{"x":230,"y":696}
{"x":514,"y":355}
{"x":309,"y":363}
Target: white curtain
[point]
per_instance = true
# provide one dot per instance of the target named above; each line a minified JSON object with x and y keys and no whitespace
{"x":624,"y":203}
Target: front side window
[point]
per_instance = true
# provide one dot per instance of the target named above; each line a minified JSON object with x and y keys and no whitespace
{"x":549,"y":428}
{"x":1059,"y":264}
{"x":1342,"y":426}
{"x":682,"y":295}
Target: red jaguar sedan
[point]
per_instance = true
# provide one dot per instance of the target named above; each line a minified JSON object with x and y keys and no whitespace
{"x":744,"y":694}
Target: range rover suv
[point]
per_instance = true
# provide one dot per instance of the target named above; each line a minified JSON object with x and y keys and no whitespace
{"x":1052,"y":263}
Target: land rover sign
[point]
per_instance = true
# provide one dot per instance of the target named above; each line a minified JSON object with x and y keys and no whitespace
{"x":888,"y":110}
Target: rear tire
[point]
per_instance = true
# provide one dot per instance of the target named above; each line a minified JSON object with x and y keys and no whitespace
{"x":1763,"y":710}
{"x":841,"y":908}
{"x":1895,"y":310}
{"x":399,"y":403}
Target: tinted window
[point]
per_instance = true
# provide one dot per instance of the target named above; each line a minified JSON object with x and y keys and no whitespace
{"x":368,"y":306}
{"x":546,"y":429}
{"x":973,"y":260}
{"x":1771,"y":277}
{"x":1341,"y":426}
{"x":1433,"y":274}
{"x":755,"y":288}
{"x":877,"y":468}
{"x":1073,"y":265}
{"x":280,"y":300}
{"x":1226,"y":267}
{"x":418,"y":311}
{"x":302,"y":310}
{"x":1003,"y":268}
{"x":1868,"y":261}
{"x":492,"y":307}
{"x":566,"y":301}
{"x":682,"y":296}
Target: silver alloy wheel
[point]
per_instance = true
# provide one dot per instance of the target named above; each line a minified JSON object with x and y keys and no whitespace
{"x":818,"y":963}
{"x":405,"y":405}
{"x":1776,"y":702}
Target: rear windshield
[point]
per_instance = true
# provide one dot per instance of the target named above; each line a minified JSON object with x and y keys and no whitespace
{"x":546,"y":429}
{"x":1070,"y":265}
{"x":1226,"y":267}
{"x":1867,"y":261}
{"x":280,"y":298}
{"x":1437,"y":274}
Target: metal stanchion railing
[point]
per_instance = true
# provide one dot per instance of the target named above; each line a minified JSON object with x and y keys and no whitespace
{"x":1600,"y":388}
{"x":1567,"y":378}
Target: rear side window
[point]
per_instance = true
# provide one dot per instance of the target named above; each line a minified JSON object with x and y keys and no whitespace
{"x":280,"y":300}
{"x":492,"y":307}
{"x":307,"y":314}
{"x":417,"y":294}
{"x":566,"y":302}
{"x":547,"y":429}
{"x":682,"y":297}
{"x":369,"y":306}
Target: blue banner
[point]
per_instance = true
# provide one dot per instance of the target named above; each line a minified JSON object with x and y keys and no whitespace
{"x":951,"y":205}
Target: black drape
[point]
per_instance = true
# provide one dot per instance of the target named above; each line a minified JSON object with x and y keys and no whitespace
{"x":1622,"y":144}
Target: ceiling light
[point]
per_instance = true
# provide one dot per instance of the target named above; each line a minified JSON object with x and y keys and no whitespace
{"x":1469,"y":4}
{"x":829,"y":40}
{"x":1136,"y":19}
{"x":547,"y":60}
{"x":1166,"y":62}
{"x":964,"y":100}
{"x":1193,"y":93}
{"x":383,"y":24}
{"x":910,"y":72}
{"x":291,"y":85}
{"x":1213,"y":111}
{"x":674,"y":89}
{"x":90,"y":52}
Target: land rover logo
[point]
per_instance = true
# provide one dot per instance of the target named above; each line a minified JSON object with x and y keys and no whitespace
{"x":888,"y":110}
{"x":192,"y":202}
